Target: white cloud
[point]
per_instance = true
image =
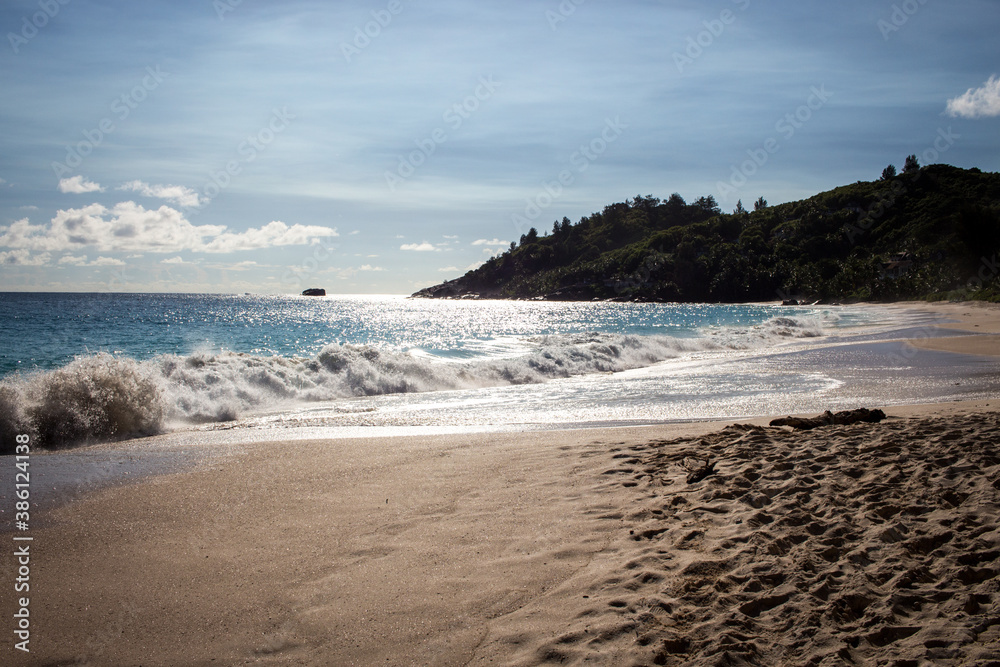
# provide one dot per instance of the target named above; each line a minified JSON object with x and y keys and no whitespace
{"x":450,"y":238}
{"x":78,"y":185}
{"x":369,"y":267}
{"x":173,"y":260}
{"x":73,"y":260}
{"x":449,"y":269}
{"x":21,"y":257}
{"x":418,"y":247}
{"x":29,"y":208}
{"x":494,"y":242}
{"x":272,"y":234}
{"x":229,"y":266}
{"x":20,"y":234}
{"x":128,"y":227}
{"x":178,"y":194}
{"x":355,"y":232}
{"x":978,"y":102}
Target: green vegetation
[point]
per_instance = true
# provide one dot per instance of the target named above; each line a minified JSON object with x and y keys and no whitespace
{"x":929,"y":232}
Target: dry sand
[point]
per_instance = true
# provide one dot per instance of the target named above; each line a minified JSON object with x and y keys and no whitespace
{"x":866,"y":544}
{"x":847,"y":545}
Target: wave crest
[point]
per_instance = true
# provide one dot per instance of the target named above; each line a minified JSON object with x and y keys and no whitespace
{"x":94,"y":398}
{"x":102,"y":397}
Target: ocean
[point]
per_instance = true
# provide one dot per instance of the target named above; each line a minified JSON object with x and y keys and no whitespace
{"x":79,"y":368}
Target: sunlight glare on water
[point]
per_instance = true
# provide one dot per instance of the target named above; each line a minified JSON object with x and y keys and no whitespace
{"x":132,"y":361}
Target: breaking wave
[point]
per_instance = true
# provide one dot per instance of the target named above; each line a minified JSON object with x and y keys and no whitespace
{"x":104,"y":397}
{"x":92,"y":398}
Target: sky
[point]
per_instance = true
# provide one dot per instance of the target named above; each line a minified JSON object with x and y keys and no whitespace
{"x":383,"y":146}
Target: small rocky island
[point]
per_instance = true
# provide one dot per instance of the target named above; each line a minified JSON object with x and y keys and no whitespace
{"x":314,"y":291}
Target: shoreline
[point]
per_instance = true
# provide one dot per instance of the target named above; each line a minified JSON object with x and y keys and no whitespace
{"x":509,"y":547}
{"x":967,"y":317}
{"x":127,"y":461}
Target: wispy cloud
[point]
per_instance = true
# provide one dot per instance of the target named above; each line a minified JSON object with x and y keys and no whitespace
{"x":978,"y":102}
{"x":369,"y":267}
{"x":73,"y":260}
{"x":107,"y":261}
{"x":492,"y":242}
{"x":418,"y":247}
{"x":173,"y":260}
{"x":128,"y":227}
{"x":178,"y":194}
{"x":78,"y":185}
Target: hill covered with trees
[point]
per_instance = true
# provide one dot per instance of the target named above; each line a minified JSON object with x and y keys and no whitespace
{"x":927,"y":232}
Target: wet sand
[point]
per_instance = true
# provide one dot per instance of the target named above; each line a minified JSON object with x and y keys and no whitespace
{"x":982,"y":319}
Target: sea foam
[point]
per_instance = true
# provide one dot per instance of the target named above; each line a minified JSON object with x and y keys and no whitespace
{"x":101,"y":397}
{"x":93,"y":398}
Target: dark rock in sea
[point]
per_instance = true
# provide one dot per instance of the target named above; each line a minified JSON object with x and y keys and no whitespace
{"x":314,"y":291}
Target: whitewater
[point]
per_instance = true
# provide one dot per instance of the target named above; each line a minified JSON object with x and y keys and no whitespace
{"x":79,"y":368}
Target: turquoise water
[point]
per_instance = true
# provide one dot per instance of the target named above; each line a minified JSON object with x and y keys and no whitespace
{"x":80,"y":368}
{"x":46,"y":331}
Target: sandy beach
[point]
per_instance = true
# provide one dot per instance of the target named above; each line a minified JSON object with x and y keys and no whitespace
{"x":861,"y":544}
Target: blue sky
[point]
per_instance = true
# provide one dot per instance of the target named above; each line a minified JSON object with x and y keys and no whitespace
{"x":379,"y":147}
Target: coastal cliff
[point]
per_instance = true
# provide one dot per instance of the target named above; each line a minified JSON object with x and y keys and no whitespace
{"x":931,"y":232}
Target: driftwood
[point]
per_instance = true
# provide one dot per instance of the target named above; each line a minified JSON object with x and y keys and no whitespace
{"x":828,"y":418}
{"x":698,"y":473}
